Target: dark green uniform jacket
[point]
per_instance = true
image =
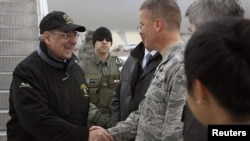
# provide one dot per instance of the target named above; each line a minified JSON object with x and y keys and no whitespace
{"x":101,"y":79}
{"x":48,"y":100}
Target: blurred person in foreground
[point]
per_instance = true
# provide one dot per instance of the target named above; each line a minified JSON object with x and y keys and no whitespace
{"x":199,"y":13}
{"x":159,"y":114}
{"x":217,"y":64}
{"x":49,"y":100}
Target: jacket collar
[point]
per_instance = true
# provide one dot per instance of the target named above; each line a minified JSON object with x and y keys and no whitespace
{"x":98,"y":61}
{"x":138,"y":52}
{"x":44,"y":54}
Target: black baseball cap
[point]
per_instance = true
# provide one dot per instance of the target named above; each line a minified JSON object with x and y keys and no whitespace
{"x":59,"y":20}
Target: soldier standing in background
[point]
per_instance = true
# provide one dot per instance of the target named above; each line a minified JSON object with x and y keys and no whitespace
{"x":102,"y":72}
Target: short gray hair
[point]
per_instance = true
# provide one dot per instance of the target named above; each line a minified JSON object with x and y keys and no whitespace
{"x":202,"y":11}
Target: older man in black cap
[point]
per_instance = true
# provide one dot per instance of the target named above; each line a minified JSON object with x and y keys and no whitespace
{"x":102,"y":72}
{"x":48,"y":99}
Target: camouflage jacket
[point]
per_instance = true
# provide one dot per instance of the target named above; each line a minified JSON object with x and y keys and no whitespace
{"x":159,"y":114}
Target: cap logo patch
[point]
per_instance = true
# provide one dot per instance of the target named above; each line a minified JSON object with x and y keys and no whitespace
{"x":67,"y":19}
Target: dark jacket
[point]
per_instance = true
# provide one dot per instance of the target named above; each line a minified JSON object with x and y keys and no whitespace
{"x":133,"y":85}
{"x":193,"y":129}
{"x":48,"y":100}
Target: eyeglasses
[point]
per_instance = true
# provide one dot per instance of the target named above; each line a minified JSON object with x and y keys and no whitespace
{"x":101,"y":39}
{"x":66,"y":35}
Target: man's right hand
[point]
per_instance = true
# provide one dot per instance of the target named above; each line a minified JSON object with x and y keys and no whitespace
{"x":97,"y":133}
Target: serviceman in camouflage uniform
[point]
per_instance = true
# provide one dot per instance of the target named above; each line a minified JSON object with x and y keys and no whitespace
{"x":159,"y":115}
{"x":102,"y":72}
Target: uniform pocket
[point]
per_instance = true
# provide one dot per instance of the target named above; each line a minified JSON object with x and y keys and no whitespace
{"x":93,"y":80}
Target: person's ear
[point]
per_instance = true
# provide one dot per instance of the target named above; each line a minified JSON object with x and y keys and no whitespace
{"x":47,"y":37}
{"x":200,"y":92}
{"x":158,"y":24}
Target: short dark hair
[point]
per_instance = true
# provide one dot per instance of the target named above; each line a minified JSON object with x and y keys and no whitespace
{"x":218,"y":54}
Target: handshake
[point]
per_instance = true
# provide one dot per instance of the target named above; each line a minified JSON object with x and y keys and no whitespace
{"x":97,"y":133}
